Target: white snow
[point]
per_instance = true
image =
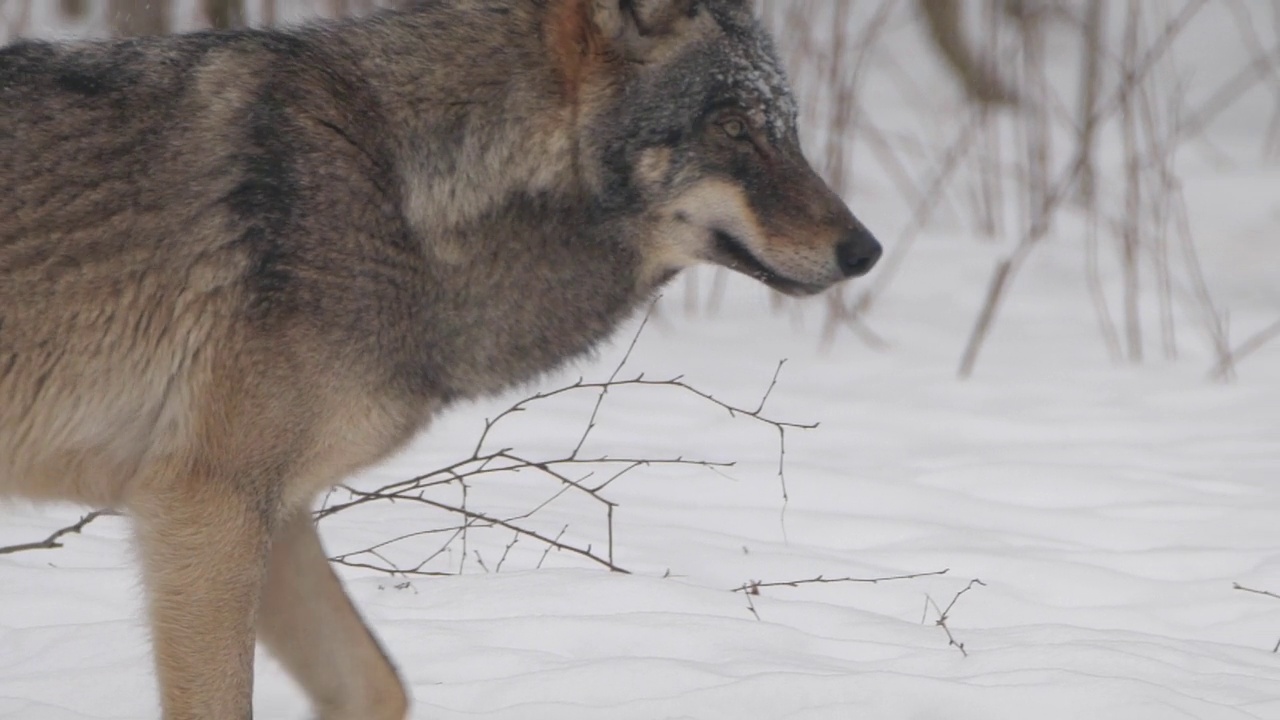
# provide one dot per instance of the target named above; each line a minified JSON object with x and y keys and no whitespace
{"x":1108,"y":510}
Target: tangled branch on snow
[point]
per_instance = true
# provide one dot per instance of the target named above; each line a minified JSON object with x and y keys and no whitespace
{"x":574,"y":472}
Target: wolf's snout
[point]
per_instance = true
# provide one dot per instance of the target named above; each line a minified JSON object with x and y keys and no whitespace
{"x":858,"y":252}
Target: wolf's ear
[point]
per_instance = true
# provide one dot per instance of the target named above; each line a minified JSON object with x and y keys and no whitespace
{"x":638,"y":27}
{"x":583,"y":35}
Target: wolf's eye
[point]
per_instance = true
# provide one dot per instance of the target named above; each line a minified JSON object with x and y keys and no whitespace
{"x":734,"y":128}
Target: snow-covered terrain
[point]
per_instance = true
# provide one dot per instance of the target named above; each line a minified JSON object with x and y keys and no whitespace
{"x":1108,"y":510}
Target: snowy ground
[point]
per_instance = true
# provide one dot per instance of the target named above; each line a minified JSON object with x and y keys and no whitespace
{"x":1107,"y":510}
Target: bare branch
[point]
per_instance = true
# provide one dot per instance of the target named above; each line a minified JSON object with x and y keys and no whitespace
{"x":574,"y":474}
{"x":54,"y":541}
{"x":755,"y":586}
{"x":752,"y":588}
{"x":978,"y":75}
{"x":1264,"y":593}
{"x":1226,"y":366}
{"x":944,"y":615}
{"x":626,"y":357}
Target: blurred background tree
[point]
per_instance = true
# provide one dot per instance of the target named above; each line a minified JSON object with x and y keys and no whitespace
{"x":225,"y":13}
{"x":139,"y":17}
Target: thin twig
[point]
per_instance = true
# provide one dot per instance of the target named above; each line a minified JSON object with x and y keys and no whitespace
{"x":752,"y":588}
{"x":944,"y":615}
{"x":626,"y":357}
{"x":1255,"y":343}
{"x":549,"y":542}
{"x":755,"y":586}
{"x":507,"y":551}
{"x":547,"y":551}
{"x":54,"y":541}
{"x":1264,"y":593}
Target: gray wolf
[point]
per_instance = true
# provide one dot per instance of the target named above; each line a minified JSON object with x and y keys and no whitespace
{"x":237,"y":267}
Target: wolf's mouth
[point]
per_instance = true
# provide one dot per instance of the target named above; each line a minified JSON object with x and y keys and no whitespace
{"x":733,"y":254}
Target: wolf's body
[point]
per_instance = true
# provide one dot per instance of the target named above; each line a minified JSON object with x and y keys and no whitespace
{"x":236,"y":268}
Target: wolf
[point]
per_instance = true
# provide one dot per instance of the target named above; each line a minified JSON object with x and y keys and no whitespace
{"x":237,"y":267}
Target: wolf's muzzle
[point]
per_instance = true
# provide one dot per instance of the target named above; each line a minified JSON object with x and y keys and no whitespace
{"x":858,"y":252}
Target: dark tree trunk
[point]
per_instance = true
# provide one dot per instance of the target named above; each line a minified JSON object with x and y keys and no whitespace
{"x":224,"y":14}
{"x":75,"y":9}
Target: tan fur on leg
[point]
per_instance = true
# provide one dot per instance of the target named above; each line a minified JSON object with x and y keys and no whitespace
{"x":204,"y":557}
{"x":309,"y":623}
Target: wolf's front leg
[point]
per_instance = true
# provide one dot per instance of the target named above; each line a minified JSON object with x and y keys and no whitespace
{"x":204,"y":546}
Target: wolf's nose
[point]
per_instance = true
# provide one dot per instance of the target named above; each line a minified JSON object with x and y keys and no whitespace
{"x":858,"y":252}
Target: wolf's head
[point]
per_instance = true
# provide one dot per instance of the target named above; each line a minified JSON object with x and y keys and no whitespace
{"x":694,"y":119}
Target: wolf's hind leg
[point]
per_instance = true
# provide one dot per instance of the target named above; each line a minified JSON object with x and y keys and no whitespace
{"x":308,"y":621}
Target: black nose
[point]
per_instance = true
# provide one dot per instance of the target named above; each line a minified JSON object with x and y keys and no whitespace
{"x":858,"y":252}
